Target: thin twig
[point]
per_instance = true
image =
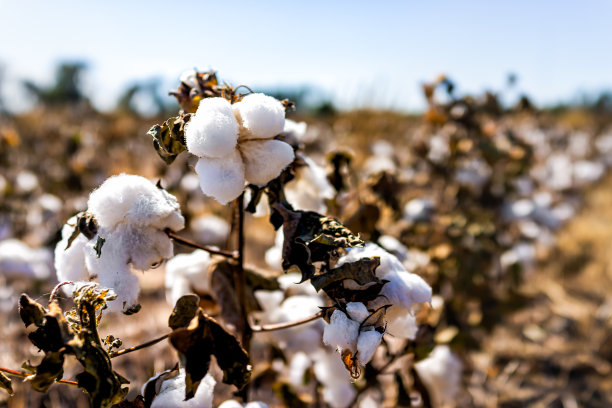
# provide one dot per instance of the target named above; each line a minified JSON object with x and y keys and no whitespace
{"x":56,"y":288}
{"x":184,"y":241}
{"x":285,"y":325}
{"x":240,"y":277}
{"x":21,"y":374}
{"x":114,"y":354}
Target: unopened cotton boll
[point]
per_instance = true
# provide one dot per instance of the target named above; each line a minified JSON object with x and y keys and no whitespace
{"x":441,"y":373}
{"x":213,"y":130}
{"x":262,"y":116}
{"x":341,"y":332}
{"x":222,"y":178}
{"x":366,"y":345}
{"x":264,"y":160}
{"x":172,"y":393}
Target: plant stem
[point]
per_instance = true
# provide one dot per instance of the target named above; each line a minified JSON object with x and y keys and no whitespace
{"x":21,"y":374}
{"x":184,"y":241}
{"x":118,"y":353}
{"x":56,"y":288}
{"x":285,"y":325}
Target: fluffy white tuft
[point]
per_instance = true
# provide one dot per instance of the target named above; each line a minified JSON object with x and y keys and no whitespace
{"x":172,"y":393}
{"x":222,"y":178}
{"x":18,"y":260}
{"x":401,"y":323}
{"x":357,"y":311}
{"x":70,"y":263}
{"x":441,"y":373}
{"x":210,"y":229}
{"x":366,"y":345}
{"x":264,"y":160}
{"x":134,"y":200}
{"x":341,"y":332}
{"x":262,"y":116}
{"x":213,"y":130}
{"x":185,"y":273}
{"x":310,"y":189}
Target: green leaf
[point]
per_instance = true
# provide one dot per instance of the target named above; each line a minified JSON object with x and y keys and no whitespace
{"x":6,"y":384}
{"x":184,"y":311}
{"x":169,"y":137}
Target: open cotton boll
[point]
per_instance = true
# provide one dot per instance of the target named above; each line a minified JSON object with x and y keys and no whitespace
{"x":18,"y":260}
{"x":419,"y":209}
{"x":401,"y":323}
{"x":294,"y":132}
{"x":213,"y":130}
{"x":357,"y":311}
{"x":262,"y":116}
{"x":222,"y":178}
{"x":70,"y":263}
{"x":265,"y":159}
{"x":230,"y":404}
{"x":187,"y":272}
{"x":341,"y":332}
{"x":210,"y":229}
{"x":172,"y":393}
{"x":297,"y":367}
{"x":366,"y":345}
{"x":405,"y":289}
{"x":441,"y":373}
{"x":146,"y":247}
{"x":339,"y":395}
{"x":274,"y":255}
{"x":310,"y":189}
{"x":134,"y":199}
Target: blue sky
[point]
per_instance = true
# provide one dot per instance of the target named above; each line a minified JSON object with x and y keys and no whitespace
{"x":358,"y":53}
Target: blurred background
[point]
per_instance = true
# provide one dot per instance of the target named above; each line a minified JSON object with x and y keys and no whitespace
{"x":471,"y":139}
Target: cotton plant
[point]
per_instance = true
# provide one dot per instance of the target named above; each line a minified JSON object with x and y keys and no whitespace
{"x":124,"y":228}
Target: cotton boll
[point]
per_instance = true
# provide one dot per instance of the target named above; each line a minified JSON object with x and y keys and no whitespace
{"x":26,"y":182}
{"x":256,"y":404}
{"x":231,"y":404}
{"x":189,"y":78}
{"x":146,"y":247}
{"x":187,"y":272}
{"x":270,"y":301}
{"x":261,"y":115}
{"x":223,"y":178}
{"x":265,"y":159}
{"x":310,"y":188}
{"x":393,"y":246}
{"x":341,"y":332}
{"x":293,"y":285}
{"x":17,"y":260}
{"x":401,"y":323}
{"x":357,"y":311}
{"x":366,"y":345}
{"x":441,"y":373}
{"x":300,"y":362}
{"x":306,"y":337}
{"x":213,"y":130}
{"x":339,"y":395}
{"x":418,"y":209}
{"x":172,"y":393}
{"x":274,"y":255}
{"x":329,"y":369}
{"x":70,"y":263}
{"x":134,"y":199}
{"x":294,"y":132}
{"x":210,"y":229}
{"x":586,"y":172}
{"x":405,"y":289}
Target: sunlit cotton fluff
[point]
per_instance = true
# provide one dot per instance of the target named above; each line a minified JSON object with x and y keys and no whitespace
{"x":172,"y":393}
{"x":186,"y":273}
{"x":235,"y":144}
{"x":132,"y":215}
{"x":441,"y":373}
{"x":17,"y":260}
{"x":236,"y":404}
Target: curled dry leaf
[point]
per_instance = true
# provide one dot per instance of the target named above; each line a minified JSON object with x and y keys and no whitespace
{"x":201,"y":339}
{"x":169,"y":137}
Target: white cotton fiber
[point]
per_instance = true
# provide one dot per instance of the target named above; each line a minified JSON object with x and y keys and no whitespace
{"x":309,"y":190}
{"x":172,"y":393}
{"x":366,"y":345}
{"x":339,"y":395}
{"x":146,"y":247}
{"x":404,"y":288}
{"x":223,"y":178}
{"x":18,"y":260}
{"x":262,"y":116}
{"x":186,"y":273}
{"x":213,"y":130}
{"x":341,"y":332}
{"x":70,"y":263}
{"x":441,"y":373}
{"x":189,"y":78}
{"x":210,"y":229}
{"x":300,"y":362}
{"x":230,"y":404}
{"x":401,"y":323}
{"x":134,"y":199}
{"x":264,"y":160}
{"x":357,"y":311}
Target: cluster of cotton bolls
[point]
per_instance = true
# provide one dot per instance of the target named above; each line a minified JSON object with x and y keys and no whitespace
{"x":236,"y":143}
{"x":348,"y":329}
{"x":132,"y":216}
